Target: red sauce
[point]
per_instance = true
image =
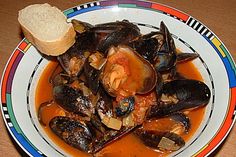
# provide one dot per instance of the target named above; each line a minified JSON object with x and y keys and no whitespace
{"x":126,"y":146}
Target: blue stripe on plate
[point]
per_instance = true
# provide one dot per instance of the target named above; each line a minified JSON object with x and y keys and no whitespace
{"x":229,"y":69}
{"x":25,"y":143}
{"x":83,"y":11}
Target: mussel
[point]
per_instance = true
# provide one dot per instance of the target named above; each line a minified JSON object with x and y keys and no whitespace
{"x":125,"y":106}
{"x":177,"y":123}
{"x":105,"y":111}
{"x":77,"y":99}
{"x":157,"y":47}
{"x":148,"y":45}
{"x":165,"y":141}
{"x":178,"y":95}
{"x":92,"y":69}
{"x":72,"y":61}
{"x":124,"y":32}
{"x":105,"y":35}
{"x":185,"y":57}
{"x":165,"y":133}
{"x":127,"y":73}
{"x":73,"y":132}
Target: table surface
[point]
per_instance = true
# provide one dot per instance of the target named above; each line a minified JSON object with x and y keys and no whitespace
{"x":219,"y":16}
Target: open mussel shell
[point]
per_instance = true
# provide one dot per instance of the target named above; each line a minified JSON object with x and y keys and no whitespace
{"x":177,"y":123}
{"x":72,"y":64}
{"x":80,"y":26}
{"x":102,"y":36}
{"x":60,"y":79}
{"x":123,"y":32}
{"x":72,"y":61}
{"x":166,"y":56}
{"x":164,"y":141}
{"x":165,"y":133}
{"x":164,"y":61}
{"x":92,"y":77}
{"x":104,"y":104}
{"x":148,"y":45}
{"x":183,"y":120}
{"x":127,"y":73}
{"x":157,"y":47}
{"x":169,"y":45}
{"x":185,"y":57}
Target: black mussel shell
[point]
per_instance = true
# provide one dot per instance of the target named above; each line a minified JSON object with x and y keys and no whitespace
{"x":72,"y":100}
{"x":125,"y":106}
{"x":72,"y":132}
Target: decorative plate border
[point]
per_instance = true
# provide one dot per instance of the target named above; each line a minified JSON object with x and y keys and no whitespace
{"x":212,"y":39}
{"x":6,"y":87}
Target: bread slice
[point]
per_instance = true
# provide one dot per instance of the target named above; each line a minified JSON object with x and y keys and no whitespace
{"x":46,"y":28}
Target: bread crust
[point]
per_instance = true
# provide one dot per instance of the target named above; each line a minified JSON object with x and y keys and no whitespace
{"x":52,"y":48}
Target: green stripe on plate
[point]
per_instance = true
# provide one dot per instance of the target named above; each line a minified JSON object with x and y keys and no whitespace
{"x":127,"y":5}
{"x":14,"y":121}
{"x":139,"y":7}
{"x":229,"y":57}
{"x":153,"y":10}
{"x":11,"y":114}
{"x":66,"y":12}
{"x":145,"y":8}
{"x":26,"y":41}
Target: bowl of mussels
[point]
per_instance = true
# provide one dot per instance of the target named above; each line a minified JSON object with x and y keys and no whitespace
{"x":138,"y":81}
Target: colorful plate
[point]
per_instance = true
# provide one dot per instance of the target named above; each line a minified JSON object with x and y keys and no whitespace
{"x":215,"y":65}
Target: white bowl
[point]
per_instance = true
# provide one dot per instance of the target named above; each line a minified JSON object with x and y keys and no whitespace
{"x":215,"y":65}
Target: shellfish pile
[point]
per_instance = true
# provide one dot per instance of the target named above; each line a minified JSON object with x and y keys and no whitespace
{"x":116,"y":80}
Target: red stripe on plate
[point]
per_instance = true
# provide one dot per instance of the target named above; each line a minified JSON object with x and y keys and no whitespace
{"x":6,"y":75}
{"x":170,"y":11}
{"x":225,"y":128}
{"x":23,"y":45}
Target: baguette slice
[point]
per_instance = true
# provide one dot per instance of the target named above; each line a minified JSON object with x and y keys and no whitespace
{"x":46,"y":28}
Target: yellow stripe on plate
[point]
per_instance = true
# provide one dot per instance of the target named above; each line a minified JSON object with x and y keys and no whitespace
{"x":200,"y":150}
{"x":27,"y":47}
{"x":217,"y":43}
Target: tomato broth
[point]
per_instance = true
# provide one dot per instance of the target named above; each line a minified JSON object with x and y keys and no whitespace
{"x":128,"y":145}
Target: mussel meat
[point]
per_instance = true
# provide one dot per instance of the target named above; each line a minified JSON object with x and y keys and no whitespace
{"x":127,"y":73}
